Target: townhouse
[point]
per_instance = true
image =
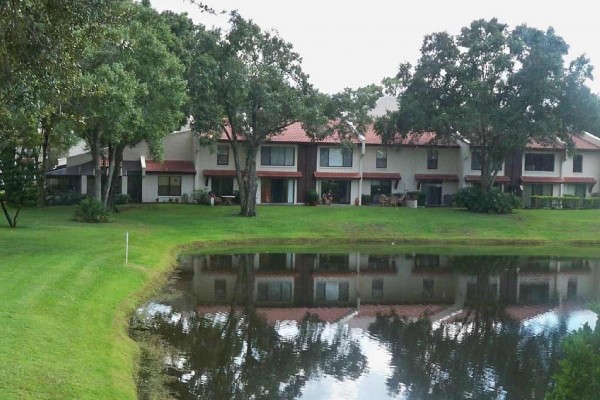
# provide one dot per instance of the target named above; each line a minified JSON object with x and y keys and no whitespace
{"x":291,"y":164}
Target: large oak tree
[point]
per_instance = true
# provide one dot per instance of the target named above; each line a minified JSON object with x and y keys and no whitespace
{"x":493,"y":88}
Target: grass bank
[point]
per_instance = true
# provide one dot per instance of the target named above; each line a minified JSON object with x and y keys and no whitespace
{"x":65,"y":292}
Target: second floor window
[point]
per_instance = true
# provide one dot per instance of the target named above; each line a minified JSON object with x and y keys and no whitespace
{"x":336,"y":157}
{"x":222,"y":154}
{"x":475,"y":160}
{"x":432,"y":159}
{"x":578,"y":163}
{"x":275,"y":155}
{"x":381,"y":159}
{"x":539,"y":162}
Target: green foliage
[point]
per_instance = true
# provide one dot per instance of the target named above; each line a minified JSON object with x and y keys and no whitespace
{"x":201,"y":196}
{"x":122,"y":198}
{"x":493,"y":88}
{"x":417,"y":195}
{"x":579,"y":374}
{"x":366,"y":199}
{"x":477,"y":200}
{"x":312,"y":197}
{"x":185,"y":198}
{"x":91,"y":210}
{"x":18,"y":171}
{"x":565,"y":202}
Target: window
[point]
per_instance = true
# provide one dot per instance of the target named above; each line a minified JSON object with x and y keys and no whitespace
{"x":222,"y":154}
{"x":475,"y":160}
{"x":572,"y":288}
{"x":580,"y":190}
{"x":222,"y":186}
{"x":220,"y":289}
{"x":332,"y":291}
{"x":381,"y":160}
{"x":381,"y":187}
{"x":169,"y":185}
{"x":427,"y":292}
{"x":334,"y":262}
{"x":432,"y":159}
{"x":578,"y":163}
{"x":273,"y":155}
{"x":539,"y":162}
{"x":336,"y":157}
{"x":377,"y":288}
{"x":274,"y":291}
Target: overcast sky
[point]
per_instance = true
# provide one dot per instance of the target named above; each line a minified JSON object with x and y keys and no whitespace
{"x":354,"y":43}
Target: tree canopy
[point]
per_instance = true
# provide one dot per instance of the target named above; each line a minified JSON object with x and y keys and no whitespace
{"x":493,"y":88}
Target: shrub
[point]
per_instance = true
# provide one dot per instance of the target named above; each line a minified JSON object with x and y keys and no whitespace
{"x":201,"y":196}
{"x":476,"y":199}
{"x":312,"y":197}
{"x":366,"y":199}
{"x":122,"y":198}
{"x":568,"y":202}
{"x":417,"y":195}
{"x":185,"y":198}
{"x":91,"y":210}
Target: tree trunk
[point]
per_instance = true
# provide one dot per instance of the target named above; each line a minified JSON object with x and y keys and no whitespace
{"x":112,"y":150}
{"x":115,"y":179}
{"x":12,"y":222}
{"x":41,"y":200}
{"x":97,"y":163}
{"x":248,"y":205}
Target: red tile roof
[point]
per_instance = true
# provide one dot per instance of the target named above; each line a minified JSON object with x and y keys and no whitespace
{"x":294,"y":133}
{"x":336,"y":175}
{"x":218,"y":172}
{"x":541,"y":179}
{"x":273,"y":315}
{"x":381,"y":175}
{"x":436,"y":177}
{"x":170,"y":166}
{"x":477,"y":178}
{"x":279,"y":174}
{"x":535,"y":145}
{"x":409,"y":311}
{"x":586,"y":142}
{"x":579,"y":179}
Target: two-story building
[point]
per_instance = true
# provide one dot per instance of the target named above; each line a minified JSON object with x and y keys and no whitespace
{"x":292,"y":163}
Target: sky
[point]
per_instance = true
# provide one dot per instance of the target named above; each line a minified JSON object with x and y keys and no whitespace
{"x":354,"y":43}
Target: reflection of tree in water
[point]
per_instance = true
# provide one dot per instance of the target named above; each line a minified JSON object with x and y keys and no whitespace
{"x":480,"y":354}
{"x":239,"y":355}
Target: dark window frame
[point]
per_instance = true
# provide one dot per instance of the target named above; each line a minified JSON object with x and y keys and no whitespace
{"x":381,"y":162}
{"x":325,"y":159}
{"x":171,"y":188}
{"x":222,"y":154}
{"x":432,"y":158}
{"x":539,"y":162}
{"x":289,"y":160}
{"x":578,"y":163}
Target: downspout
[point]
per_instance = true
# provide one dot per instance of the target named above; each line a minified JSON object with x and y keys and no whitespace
{"x":360,"y":167}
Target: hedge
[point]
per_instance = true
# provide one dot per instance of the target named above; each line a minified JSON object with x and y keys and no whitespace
{"x":567,"y":202}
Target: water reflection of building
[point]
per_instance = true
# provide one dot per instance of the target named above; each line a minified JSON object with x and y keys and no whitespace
{"x":311,"y":280}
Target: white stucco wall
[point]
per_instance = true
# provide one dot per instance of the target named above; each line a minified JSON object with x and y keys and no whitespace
{"x":177,"y":146}
{"x":150,"y":188}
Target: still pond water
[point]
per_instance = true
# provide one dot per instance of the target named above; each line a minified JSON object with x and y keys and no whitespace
{"x":368,"y":326}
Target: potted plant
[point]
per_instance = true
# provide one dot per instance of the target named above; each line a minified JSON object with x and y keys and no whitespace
{"x":312,"y":198}
{"x":411,"y":199}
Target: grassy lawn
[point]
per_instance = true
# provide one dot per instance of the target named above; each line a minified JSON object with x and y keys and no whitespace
{"x":65,"y":292}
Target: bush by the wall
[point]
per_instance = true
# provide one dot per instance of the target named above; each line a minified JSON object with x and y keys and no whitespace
{"x":566,"y":202}
{"x":185,"y":198}
{"x":476,"y":199}
{"x":366,"y":199}
{"x":201,"y":196}
{"x":122,"y":198}
{"x":91,"y":210}
{"x":417,"y":195}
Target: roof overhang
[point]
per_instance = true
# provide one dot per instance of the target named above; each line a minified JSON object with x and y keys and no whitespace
{"x":279,"y":174}
{"x":336,"y":175}
{"x":382,"y":175}
{"x":170,"y":167}
{"x":436,"y":177}
{"x":477,"y":178}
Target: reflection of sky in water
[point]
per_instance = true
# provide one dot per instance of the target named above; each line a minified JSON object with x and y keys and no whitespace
{"x":372,"y":383}
{"x":551,"y":320}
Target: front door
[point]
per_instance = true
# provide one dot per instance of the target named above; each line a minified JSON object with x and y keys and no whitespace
{"x":434,"y":195}
{"x":134,"y":186}
{"x":265,"y":190}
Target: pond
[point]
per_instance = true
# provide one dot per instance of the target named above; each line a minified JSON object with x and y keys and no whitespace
{"x":367,"y":326}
